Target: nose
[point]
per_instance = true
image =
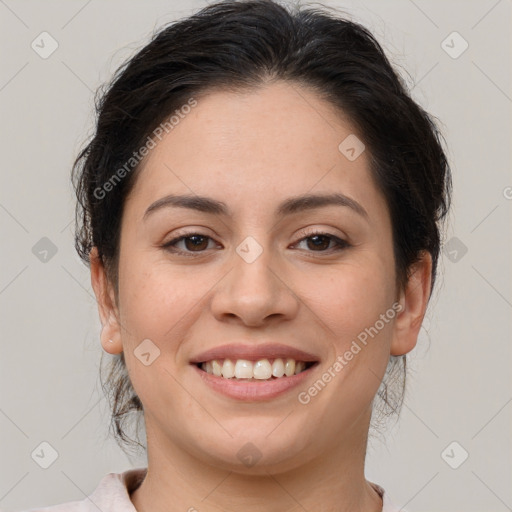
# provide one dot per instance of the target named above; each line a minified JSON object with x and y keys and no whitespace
{"x":254,"y":292}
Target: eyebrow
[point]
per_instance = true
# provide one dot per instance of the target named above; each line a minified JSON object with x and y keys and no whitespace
{"x":289,"y":206}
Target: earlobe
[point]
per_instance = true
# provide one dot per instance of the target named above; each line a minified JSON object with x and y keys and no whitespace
{"x":111,"y":340}
{"x":110,"y":333}
{"x":414,"y":301}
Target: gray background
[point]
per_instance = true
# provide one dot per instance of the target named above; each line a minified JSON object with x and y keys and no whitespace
{"x":459,"y":385}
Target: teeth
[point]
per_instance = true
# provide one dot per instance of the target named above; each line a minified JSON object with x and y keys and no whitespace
{"x":217,"y":368}
{"x":243,"y":369}
{"x":262,"y":369}
{"x":289,"y":367}
{"x":228,"y":369}
{"x":278,"y":368}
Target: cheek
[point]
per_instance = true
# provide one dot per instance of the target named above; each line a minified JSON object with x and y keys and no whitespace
{"x":356,"y":308}
{"x":360,"y":338}
{"x":160,"y":304}
{"x":157,"y":300}
{"x":351,"y":298}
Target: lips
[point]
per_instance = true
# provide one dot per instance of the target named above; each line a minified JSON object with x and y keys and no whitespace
{"x":250,"y":390}
{"x":253,"y":353}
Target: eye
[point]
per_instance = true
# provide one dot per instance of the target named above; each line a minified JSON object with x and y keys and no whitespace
{"x":193,"y":242}
{"x":321,"y":242}
{"x":317,"y":241}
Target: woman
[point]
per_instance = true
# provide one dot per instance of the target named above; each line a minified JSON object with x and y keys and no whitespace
{"x":261,"y":206}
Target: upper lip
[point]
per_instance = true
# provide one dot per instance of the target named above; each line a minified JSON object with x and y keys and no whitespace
{"x":253,"y":353}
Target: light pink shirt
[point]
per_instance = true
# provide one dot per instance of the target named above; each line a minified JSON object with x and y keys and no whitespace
{"x":113,"y":495}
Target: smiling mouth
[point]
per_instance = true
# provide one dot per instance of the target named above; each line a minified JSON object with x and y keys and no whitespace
{"x":259,"y":370}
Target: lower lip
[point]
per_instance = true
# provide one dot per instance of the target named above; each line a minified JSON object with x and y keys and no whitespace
{"x":254,"y":391}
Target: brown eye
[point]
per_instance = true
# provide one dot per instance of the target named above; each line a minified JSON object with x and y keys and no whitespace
{"x":321,"y":242}
{"x":196,"y":242}
{"x":193,"y":242}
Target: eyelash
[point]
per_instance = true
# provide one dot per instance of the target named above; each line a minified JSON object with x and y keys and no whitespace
{"x":169,"y":246}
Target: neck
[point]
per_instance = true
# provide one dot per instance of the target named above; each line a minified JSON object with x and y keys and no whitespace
{"x":334,"y":481}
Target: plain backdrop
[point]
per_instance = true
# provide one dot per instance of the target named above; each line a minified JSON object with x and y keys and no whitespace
{"x":459,"y":397}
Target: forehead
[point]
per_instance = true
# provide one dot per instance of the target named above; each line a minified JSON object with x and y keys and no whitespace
{"x":256,"y":147}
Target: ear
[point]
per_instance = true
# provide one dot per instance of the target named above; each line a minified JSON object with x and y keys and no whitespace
{"x":413,"y":301}
{"x":109,"y":315}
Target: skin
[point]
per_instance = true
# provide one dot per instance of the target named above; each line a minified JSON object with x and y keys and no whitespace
{"x":252,"y":150}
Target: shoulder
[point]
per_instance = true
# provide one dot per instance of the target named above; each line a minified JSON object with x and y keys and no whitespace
{"x":112,"y":494}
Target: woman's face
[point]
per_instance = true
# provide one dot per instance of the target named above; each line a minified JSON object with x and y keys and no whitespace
{"x":254,"y":276}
